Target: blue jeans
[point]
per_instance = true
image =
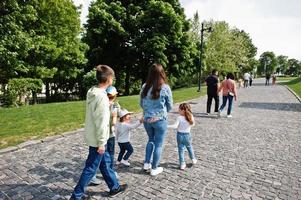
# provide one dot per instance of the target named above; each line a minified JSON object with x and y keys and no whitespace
{"x":225,"y":98}
{"x":184,"y":140}
{"x":111,"y":150}
{"x":125,"y":147}
{"x":94,"y":161}
{"x":156,"y":132}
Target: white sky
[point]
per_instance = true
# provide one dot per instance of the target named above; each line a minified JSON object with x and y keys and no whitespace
{"x":274,"y":25}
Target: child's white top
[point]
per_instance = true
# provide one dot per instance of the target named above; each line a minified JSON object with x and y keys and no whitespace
{"x":123,"y":131}
{"x":182,"y":125}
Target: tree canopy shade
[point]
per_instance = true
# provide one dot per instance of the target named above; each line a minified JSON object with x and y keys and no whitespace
{"x":131,"y":35}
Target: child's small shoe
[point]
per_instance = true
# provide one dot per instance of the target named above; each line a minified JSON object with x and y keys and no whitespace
{"x":147,"y":166}
{"x":125,"y":162}
{"x":194,"y":161}
{"x":183,"y":166}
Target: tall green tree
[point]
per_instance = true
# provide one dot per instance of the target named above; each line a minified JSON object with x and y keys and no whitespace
{"x":58,"y":54}
{"x":282,"y":64}
{"x":131,"y":35}
{"x":41,"y":40}
{"x":228,"y":50}
{"x":294,"y":67}
{"x":15,"y":40}
{"x":267,"y":63}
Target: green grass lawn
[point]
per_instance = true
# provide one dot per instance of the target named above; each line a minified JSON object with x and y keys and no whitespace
{"x":35,"y":122}
{"x":285,"y":78}
{"x":295,"y":84}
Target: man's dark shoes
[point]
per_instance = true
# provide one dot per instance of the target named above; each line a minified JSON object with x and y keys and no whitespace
{"x":121,"y":189}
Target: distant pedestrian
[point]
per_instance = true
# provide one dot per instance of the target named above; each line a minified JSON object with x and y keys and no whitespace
{"x":97,"y":134}
{"x":267,"y":79}
{"x":246,"y":79}
{"x":156,"y":101}
{"x":273,"y":79}
{"x":183,"y":125}
{"x":251,"y":80}
{"x":212,"y":87}
{"x":123,"y":136}
{"x":229,"y":92}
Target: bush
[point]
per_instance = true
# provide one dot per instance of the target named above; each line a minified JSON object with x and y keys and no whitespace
{"x":89,"y":80}
{"x":19,"y":89}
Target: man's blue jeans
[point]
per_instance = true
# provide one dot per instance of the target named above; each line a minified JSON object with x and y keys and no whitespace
{"x":94,"y":161}
{"x":156,"y":132}
{"x":184,"y":140}
{"x":225,"y":98}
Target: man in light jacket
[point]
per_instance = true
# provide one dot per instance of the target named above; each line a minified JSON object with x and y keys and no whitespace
{"x":97,"y":130}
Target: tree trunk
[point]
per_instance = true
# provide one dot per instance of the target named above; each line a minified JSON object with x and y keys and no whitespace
{"x":47,"y":92}
{"x":34,"y":98}
{"x":127,"y":80}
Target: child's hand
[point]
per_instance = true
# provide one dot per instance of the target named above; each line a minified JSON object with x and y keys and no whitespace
{"x":114,"y":114}
{"x":141,"y":120}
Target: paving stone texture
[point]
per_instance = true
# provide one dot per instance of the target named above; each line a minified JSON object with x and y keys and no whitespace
{"x":254,"y":155}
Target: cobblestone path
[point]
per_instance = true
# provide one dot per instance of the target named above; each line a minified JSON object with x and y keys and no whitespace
{"x":254,"y":155}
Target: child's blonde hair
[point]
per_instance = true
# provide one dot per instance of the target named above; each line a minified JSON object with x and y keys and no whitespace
{"x":187,"y":112}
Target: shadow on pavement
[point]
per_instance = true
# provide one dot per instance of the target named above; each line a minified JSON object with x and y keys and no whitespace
{"x":296,"y":107}
{"x":204,"y":115}
{"x":33,"y":191}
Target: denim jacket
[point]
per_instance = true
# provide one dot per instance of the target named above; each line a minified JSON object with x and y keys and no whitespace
{"x":157,"y":107}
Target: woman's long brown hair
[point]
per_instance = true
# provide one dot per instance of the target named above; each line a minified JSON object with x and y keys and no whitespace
{"x":187,"y":112}
{"x":156,"y":77}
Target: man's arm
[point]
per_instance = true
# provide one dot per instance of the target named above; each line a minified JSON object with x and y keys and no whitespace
{"x":101,"y":117}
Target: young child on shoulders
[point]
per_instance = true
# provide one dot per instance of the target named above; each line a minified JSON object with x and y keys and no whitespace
{"x":183,"y":125}
{"x":123,"y":136}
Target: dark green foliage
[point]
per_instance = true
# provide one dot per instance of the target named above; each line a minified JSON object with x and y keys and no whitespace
{"x":40,"y":39}
{"x":131,"y":35}
{"x":267,"y":63}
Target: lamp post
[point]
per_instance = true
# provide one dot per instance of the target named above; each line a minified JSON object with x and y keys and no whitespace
{"x":209,"y":29}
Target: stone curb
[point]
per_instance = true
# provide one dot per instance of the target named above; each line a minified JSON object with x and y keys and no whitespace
{"x":294,"y":93}
{"x":34,"y":142}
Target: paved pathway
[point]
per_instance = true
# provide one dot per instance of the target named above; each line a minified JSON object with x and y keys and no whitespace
{"x":254,"y":155}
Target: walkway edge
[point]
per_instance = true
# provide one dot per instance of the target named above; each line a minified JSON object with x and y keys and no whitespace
{"x":34,"y":142}
{"x":294,"y":93}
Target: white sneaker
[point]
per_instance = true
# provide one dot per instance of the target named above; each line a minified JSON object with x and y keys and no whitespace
{"x":117,"y":162}
{"x":219,"y":113}
{"x":229,"y":116}
{"x":183,"y":166}
{"x":194,"y":161}
{"x":125,"y":162}
{"x":155,"y":172}
{"x":147,"y":166}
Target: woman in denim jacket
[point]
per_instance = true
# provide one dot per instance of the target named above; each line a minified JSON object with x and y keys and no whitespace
{"x":156,"y":101}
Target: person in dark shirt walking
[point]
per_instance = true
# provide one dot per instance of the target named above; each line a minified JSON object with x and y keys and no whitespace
{"x":212,"y":87}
